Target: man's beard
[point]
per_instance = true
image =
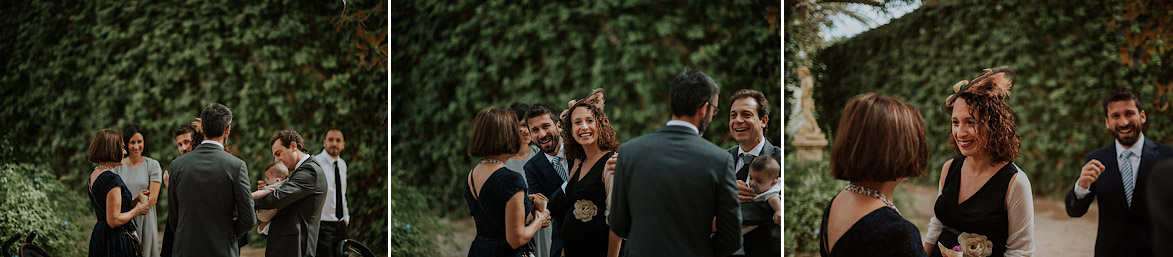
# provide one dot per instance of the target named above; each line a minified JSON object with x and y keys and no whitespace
{"x":552,"y":147}
{"x":1127,"y":140}
{"x":704,"y":123}
{"x":333,"y":152}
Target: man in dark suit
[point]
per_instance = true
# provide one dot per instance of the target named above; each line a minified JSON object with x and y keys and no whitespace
{"x":546,"y":173}
{"x":1109,"y":175}
{"x":669,"y":185}
{"x":749,"y":112}
{"x":1160,"y":191}
{"x":209,"y":185}
{"x":294,"y":230}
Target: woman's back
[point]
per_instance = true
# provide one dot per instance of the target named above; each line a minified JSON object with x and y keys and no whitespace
{"x":107,"y":241}
{"x":881,"y":232}
{"x":487,"y":208}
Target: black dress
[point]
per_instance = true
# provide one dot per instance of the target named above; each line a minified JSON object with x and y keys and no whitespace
{"x":882,"y":232}
{"x":589,"y":237}
{"x":984,"y":213}
{"x":107,"y":241}
{"x":490,"y":222}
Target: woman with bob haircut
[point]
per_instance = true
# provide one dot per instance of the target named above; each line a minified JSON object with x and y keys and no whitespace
{"x":112,"y":202}
{"x":984,"y":202}
{"x":495,"y":195}
{"x":879,"y":143}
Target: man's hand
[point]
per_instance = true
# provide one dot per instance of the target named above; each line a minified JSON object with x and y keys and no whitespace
{"x":166,"y":178}
{"x":609,"y":168}
{"x":1090,"y":172}
{"x":261,"y":184}
{"x":778,"y":218}
{"x":744,"y":193}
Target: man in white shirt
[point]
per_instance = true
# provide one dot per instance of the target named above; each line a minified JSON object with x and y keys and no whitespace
{"x":335,"y":211}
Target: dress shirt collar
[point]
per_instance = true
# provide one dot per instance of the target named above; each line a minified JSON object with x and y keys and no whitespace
{"x":684,"y":124}
{"x":1136,"y":147}
{"x":213,"y":142}
{"x":561,"y":153}
{"x":756,"y":151}
{"x":299,"y":162}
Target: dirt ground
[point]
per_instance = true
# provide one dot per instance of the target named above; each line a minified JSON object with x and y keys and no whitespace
{"x":1055,"y":233}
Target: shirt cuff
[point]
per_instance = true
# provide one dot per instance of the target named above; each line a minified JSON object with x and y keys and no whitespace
{"x":1081,"y":192}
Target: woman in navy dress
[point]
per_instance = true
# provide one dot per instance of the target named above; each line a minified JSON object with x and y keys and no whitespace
{"x":505,"y":219}
{"x":879,"y":143}
{"x":112,"y":202}
{"x":584,"y":229}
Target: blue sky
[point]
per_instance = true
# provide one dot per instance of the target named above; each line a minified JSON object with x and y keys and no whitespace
{"x":847,"y":27}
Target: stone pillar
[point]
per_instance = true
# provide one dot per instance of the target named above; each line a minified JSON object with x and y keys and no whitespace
{"x":809,"y":139}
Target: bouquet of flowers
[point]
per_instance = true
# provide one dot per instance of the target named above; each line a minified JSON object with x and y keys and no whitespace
{"x":971,"y":245}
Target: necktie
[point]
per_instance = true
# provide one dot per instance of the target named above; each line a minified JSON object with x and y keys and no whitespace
{"x":746,"y":159}
{"x":338,"y":203}
{"x":1127,"y":175}
{"x":557,"y":162}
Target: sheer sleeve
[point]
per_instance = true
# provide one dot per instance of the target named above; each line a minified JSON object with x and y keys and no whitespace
{"x":1020,"y":208}
{"x":935,"y":227}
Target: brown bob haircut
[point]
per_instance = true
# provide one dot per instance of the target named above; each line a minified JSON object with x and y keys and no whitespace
{"x":603,"y":129}
{"x":106,"y":147}
{"x":494,"y":133}
{"x":879,"y":139}
{"x":995,"y":128}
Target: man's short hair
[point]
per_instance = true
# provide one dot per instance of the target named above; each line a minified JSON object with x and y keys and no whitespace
{"x":287,"y":137}
{"x":278,"y":170}
{"x":879,"y":139}
{"x":1122,"y":94}
{"x":757,"y":96}
{"x":541,"y":109}
{"x":519,"y":110}
{"x":186,"y":128}
{"x":766,"y":163}
{"x":128,"y":131}
{"x":216,"y":118}
{"x":691,"y":89}
{"x":494,"y":133}
{"x":106,"y":147}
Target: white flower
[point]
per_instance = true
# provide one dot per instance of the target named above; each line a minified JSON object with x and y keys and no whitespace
{"x":585,"y":210}
{"x":975,"y":245}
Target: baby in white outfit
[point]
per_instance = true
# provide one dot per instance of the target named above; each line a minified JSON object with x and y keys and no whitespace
{"x":275,"y":175}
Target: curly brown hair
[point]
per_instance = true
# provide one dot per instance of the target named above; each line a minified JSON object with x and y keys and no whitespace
{"x":995,"y":129}
{"x":606,"y":142}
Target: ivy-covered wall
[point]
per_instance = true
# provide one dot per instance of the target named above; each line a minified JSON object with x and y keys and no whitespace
{"x":454,"y":58}
{"x":73,"y":68}
{"x":1067,"y":55}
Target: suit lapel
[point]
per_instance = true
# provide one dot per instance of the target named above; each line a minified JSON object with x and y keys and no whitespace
{"x":1148,"y":158}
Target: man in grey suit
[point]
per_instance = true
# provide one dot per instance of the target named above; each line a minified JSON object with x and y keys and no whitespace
{"x":670,"y":185}
{"x":749,"y":114}
{"x":294,"y":231}
{"x":209,"y":183}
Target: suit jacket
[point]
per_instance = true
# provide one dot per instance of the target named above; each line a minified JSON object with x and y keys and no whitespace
{"x":668,"y":187}
{"x":766,"y":240}
{"x":1160,"y":195}
{"x":1123,"y":231}
{"x":206,"y":185}
{"x":541,"y":177}
{"x":294,"y":231}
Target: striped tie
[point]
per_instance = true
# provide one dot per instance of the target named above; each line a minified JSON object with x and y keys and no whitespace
{"x":557,"y":162}
{"x":1126,"y":174}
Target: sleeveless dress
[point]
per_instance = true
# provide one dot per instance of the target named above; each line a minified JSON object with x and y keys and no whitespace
{"x":984,"y":213}
{"x":883,"y":232}
{"x":490,"y":221}
{"x":585,"y":233}
{"x":107,"y":241}
{"x":140,"y":178}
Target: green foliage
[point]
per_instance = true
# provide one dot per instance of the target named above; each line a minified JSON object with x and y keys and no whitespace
{"x":1066,"y":59}
{"x":454,"y":58}
{"x":73,"y":68}
{"x":36,"y":202}
{"x":415,"y":233}
{"x":807,"y":188}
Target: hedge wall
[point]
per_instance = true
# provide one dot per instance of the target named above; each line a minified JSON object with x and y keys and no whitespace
{"x":73,"y":68}
{"x":1067,"y":55}
{"x":454,"y":58}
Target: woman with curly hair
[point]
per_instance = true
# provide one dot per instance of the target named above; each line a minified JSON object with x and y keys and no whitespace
{"x":984,"y":201}
{"x":584,"y":229}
